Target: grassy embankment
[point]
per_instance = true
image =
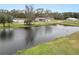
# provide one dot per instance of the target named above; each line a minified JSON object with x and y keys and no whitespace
{"x":54,"y":22}
{"x":68,"y":45}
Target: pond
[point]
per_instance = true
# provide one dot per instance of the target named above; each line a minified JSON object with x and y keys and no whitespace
{"x":12,"y":40}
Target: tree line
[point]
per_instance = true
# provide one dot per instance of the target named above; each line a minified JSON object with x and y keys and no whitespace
{"x":40,"y":12}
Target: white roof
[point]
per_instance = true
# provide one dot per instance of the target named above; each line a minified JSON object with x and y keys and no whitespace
{"x":72,"y":19}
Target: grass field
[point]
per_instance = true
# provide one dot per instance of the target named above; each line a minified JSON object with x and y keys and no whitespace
{"x":53,"y":22}
{"x":68,"y":45}
{"x":13,"y":25}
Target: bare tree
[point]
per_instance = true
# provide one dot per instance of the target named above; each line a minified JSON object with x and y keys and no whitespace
{"x":47,"y":13}
{"x":29,"y":13}
{"x":40,"y":12}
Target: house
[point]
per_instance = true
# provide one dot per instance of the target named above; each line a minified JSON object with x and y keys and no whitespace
{"x":19,"y":20}
{"x":43,"y":19}
{"x":73,"y":19}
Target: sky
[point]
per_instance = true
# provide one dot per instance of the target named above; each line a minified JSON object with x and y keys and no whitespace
{"x":53,"y":7}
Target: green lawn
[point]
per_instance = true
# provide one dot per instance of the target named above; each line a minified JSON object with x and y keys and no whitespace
{"x":53,"y":22}
{"x":68,"y":45}
{"x":70,"y":23}
{"x":13,"y":25}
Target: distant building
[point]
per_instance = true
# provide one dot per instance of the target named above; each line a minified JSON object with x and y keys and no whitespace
{"x":43,"y":19}
{"x":19,"y":20}
{"x":73,"y":19}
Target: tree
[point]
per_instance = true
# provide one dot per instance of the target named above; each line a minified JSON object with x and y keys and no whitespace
{"x":9,"y":19}
{"x":56,"y":15}
{"x":17,"y":13}
{"x":39,"y":12}
{"x":67,"y":14}
{"x":76,"y":14}
{"x":29,"y":13}
{"x":48,"y":13}
{"x":20,"y":15}
{"x":3,"y":19}
{"x":13,"y":13}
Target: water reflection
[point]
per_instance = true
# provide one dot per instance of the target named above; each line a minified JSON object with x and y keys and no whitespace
{"x":3,"y":34}
{"x":31,"y":33}
{"x":10,"y":34}
{"x":48,"y":29}
{"x":18,"y":39}
{"x":6,"y":34}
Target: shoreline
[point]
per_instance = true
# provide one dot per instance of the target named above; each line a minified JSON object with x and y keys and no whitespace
{"x":61,"y":46}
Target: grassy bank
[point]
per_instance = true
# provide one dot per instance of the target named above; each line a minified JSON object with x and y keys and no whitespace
{"x":13,"y":25}
{"x":53,"y":22}
{"x":70,"y":23}
{"x":68,"y":45}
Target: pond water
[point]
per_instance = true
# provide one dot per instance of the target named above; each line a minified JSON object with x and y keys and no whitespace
{"x":12,"y":40}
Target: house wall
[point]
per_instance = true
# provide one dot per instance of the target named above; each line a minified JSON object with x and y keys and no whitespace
{"x":73,"y":19}
{"x":42,"y":19}
{"x":18,"y":20}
